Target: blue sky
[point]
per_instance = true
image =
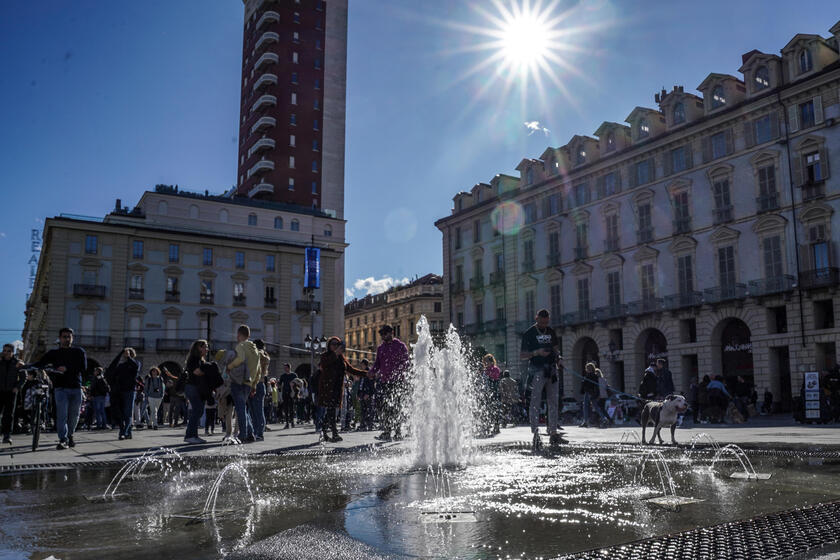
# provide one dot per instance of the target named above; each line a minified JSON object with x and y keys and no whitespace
{"x":101,"y":100}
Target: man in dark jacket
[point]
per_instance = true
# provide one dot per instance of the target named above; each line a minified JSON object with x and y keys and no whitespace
{"x":664,"y":380}
{"x":125,"y":370}
{"x":99,"y":391}
{"x":288,"y":401}
{"x":11,"y":380}
{"x":647,"y":390}
{"x":70,"y":362}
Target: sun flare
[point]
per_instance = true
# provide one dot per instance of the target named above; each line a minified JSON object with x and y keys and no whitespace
{"x":525,"y":41}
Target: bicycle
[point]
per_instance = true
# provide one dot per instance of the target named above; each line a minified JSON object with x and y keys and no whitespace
{"x":39,"y":393}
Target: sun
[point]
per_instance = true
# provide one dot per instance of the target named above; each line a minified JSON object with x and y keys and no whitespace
{"x":525,"y":41}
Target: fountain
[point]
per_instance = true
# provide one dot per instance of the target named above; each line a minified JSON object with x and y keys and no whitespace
{"x":628,"y":436}
{"x":749,"y":471}
{"x":136,"y":466}
{"x":669,"y":497}
{"x":213,"y":495}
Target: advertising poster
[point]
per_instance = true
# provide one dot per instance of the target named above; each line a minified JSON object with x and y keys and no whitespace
{"x":812,"y":394}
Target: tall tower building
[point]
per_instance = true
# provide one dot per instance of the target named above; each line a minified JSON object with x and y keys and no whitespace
{"x":292,"y":111}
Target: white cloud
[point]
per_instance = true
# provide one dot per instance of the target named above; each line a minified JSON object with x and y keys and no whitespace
{"x":348,"y":293}
{"x":372,"y":286}
{"x":535,"y":126}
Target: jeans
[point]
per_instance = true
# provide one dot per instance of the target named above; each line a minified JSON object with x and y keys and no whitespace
{"x":257,"y":410}
{"x":196,"y":410}
{"x":240,"y":394}
{"x":126,"y":407}
{"x":68,"y":403}
{"x":154,"y":404}
{"x":588,"y":402}
{"x":99,"y":411}
{"x":541,"y":378}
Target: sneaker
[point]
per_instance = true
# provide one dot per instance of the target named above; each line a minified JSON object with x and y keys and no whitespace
{"x":195,"y":440}
{"x":7,"y":439}
{"x":61,"y":445}
{"x":267,"y":429}
{"x":557,"y":439}
{"x":250,"y":439}
{"x":286,"y":427}
{"x":70,"y":441}
{"x":122,"y":437}
{"x":336,"y":438}
{"x":259,"y":438}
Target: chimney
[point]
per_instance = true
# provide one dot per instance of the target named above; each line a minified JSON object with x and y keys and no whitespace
{"x":118,"y":205}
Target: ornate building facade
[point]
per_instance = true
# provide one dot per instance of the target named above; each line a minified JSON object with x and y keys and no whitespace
{"x":703,"y":230}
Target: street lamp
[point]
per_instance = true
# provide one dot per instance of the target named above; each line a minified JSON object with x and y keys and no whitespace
{"x":314,"y":344}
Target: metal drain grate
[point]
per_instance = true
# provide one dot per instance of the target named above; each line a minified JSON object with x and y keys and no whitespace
{"x":777,"y":535}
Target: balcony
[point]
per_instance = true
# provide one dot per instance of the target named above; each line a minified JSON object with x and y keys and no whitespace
{"x":205,"y":298}
{"x":88,"y":290}
{"x":173,"y":344}
{"x":138,"y":343}
{"x":611,"y":312}
{"x":645,"y":305}
{"x":267,"y":38}
{"x":723,"y":214}
{"x":767,"y":203}
{"x":306,"y":306}
{"x":260,"y":145}
{"x":554,"y":259}
{"x":682,"y":300}
{"x":730,"y":292}
{"x":264,"y":123}
{"x":271,"y":303}
{"x":819,"y":278}
{"x":578,"y":317}
{"x":456,"y":288}
{"x":813,"y":191}
{"x":774,"y":285}
{"x":682,"y":225}
{"x":240,"y":300}
{"x":581,"y":253}
{"x":644,"y":235}
{"x":266,"y":59}
{"x":262,"y":166}
{"x":135,"y":293}
{"x":497,"y":278}
{"x":528,"y":265}
{"x":92,"y":342}
{"x":268,"y":17}
{"x":264,"y":81}
{"x":261,"y":188}
{"x":264,"y":101}
{"x":611,"y":244}
{"x":477,"y":283}
{"x":172,"y":296}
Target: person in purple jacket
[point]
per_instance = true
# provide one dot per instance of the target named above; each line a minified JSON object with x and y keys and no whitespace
{"x":389,"y":368}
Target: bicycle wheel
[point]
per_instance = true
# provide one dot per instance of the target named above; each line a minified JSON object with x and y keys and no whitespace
{"x":36,"y":428}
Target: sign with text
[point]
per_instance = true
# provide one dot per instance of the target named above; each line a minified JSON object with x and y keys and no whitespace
{"x":812,"y":394}
{"x":312,"y":268}
{"x":35,"y":252}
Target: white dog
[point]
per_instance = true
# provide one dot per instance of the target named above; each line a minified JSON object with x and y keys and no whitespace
{"x":663,"y":414}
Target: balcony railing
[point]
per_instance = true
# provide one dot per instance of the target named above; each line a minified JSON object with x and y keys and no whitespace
{"x":205,"y":298}
{"x":497,"y":278}
{"x":261,"y":166}
{"x":271,"y":303}
{"x":683,"y":299}
{"x":173,"y":344}
{"x":268,"y":17}
{"x":261,"y":188}
{"x":773,"y":285}
{"x":240,"y":300}
{"x":89,"y":290}
{"x":611,"y":244}
{"x":264,"y":81}
{"x":813,"y":191}
{"x":306,"y":306}
{"x":456,"y":288}
{"x":819,"y":278}
{"x":682,"y":225}
{"x":266,"y":39}
{"x":767,"y":203}
{"x":135,"y":293}
{"x":93,"y":342}
{"x":261,"y":144}
{"x":477,"y":283}
{"x":723,"y":214}
{"x":645,"y":305}
{"x":528,"y":265}
{"x":172,"y":296}
{"x":138,"y":343}
{"x":262,"y":101}
{"x":610,"y":312}
{"x":644,"y":235}
{"x":578,"y":317}
{"x":554,"y":259}
{"x":266,"y":59}
{"x":263,"y":123}
{"x":723,"y":293}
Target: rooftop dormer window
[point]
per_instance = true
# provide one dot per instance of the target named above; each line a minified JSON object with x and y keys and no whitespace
{"x":679,"y":113}
{"x":553,"y":166}
{"x":529,"y":176}
{"x":644,"y":128}
{"x":762,"y":78}
{"x":718,"y":97}
{"x":610,"y":142}
{"x":581,"y":156}
{"x":805,"y":61}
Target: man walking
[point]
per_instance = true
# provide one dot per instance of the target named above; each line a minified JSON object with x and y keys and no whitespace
{"x":242,"y":369}
{"x":539,"y":347}
{"x":287,"y":405}
{"x":70,"y":362}
{"x":664,"y":380}
{"x":125,"y":370}
{"x":390,"y":367}
{"x":11,"y":380}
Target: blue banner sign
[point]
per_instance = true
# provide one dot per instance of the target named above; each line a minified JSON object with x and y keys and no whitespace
{"x":312,"y":268}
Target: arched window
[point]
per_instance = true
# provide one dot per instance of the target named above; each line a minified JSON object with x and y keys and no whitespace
{"x":679,"y":113}
{"x":295,"y":225}
{"x":278,"y":223}
{"x":762,"y":78}
{"x":163,"y":208}
{"x":223,"y":216}
{"x":252,"y":219}
{"x":805,"y":62}
{"x":610,"y":142}
{"x":193,"y":211}
{"x":581,"y":155}
{"x":718,"y":97}
{"x":529,"y":176}
{"x":644,"y":128}
{"x":327,"y":230}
